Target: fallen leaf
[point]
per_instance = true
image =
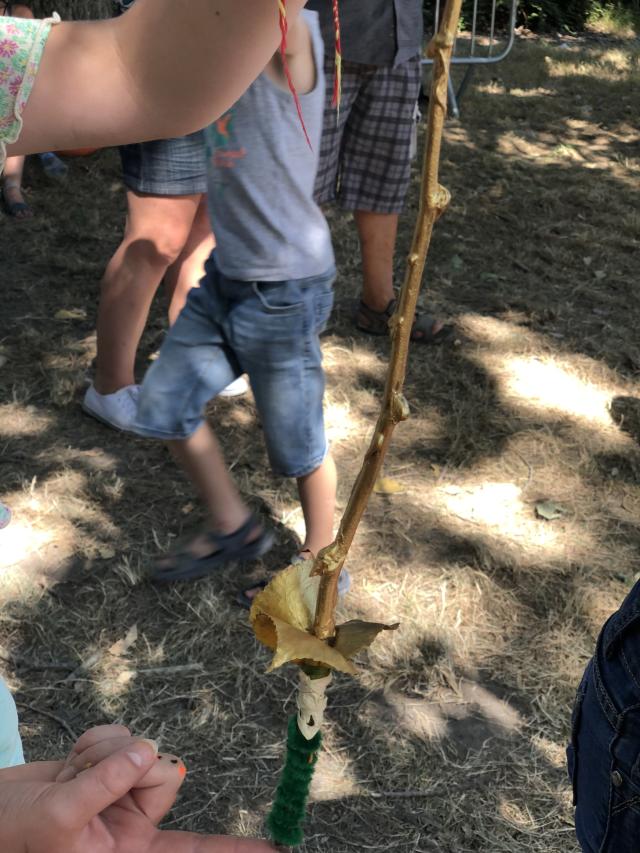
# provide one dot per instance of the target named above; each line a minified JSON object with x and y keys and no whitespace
{"x":549,"y":510}
{"x":70,"y":314}
{"x":105,"y":552}
{"x":600,"y":274}
{"x":122,"y":646}
{"x":387,"y":486}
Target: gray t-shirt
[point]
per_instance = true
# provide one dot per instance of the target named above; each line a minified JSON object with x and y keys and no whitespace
{"x":374,"y":32}
{"x":261,"y":180}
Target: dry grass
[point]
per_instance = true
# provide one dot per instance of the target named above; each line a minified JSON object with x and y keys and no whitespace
{"x":452,"y":738}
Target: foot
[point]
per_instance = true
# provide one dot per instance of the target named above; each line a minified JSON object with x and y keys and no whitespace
{"x":236,"y":388}
{"x":425,"y":329}
{"x":53,"y":166}
{"x":210,"y":551}
{"x":14,"y":202}
{"x":116,"y":410}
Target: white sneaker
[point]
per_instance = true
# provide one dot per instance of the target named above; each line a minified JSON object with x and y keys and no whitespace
{"x":236,"y":388}
{"x":116,"y":410}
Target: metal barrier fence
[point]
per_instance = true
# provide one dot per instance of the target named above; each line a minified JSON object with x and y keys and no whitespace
{"x":475,"y":48}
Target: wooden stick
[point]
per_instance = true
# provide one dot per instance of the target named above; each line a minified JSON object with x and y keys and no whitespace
{"x":433,"y":202}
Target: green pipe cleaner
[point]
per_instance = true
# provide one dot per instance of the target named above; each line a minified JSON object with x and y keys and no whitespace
{"x":289,"y":808}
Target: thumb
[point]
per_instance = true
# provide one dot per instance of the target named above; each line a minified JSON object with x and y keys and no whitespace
{"x":99,"y":787}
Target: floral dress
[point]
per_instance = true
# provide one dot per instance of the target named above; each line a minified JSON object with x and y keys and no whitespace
{"x":21,"y":44}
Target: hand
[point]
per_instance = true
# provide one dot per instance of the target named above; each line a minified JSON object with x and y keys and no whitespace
{"x":110,"y":807}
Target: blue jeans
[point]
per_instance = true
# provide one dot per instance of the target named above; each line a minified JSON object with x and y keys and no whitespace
{"x":269,"y":330}
{"x":604,"y":754}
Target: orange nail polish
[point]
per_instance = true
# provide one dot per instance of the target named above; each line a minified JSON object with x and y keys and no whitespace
{"x":182,"y":770}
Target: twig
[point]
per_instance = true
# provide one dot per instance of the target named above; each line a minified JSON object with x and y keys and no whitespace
{"x":433,"y":202}
{"x":29,"y":663}
{"x":196,"y":668}
{"x":59,"y":720}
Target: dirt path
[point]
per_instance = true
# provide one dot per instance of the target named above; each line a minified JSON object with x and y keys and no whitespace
{"x":452,"y":740}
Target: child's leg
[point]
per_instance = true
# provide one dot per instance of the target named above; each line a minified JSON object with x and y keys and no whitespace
{"x":201,"y":457}
{"x":14,"y":200}
{"x":318,"y":498}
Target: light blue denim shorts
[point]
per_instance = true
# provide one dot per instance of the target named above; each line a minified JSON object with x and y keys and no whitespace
{"x":269,"y":330}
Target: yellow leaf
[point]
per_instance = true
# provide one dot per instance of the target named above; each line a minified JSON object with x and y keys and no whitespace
{"x":70,"y":314}
{"x":352,"y":637}
{"x":291,"y":596}
{"x":282,"y":617}
{"x":387,"y":486}
{"x":296,"y":646}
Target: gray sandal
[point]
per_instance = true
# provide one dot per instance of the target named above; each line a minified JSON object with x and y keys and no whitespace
{"x":232,"y":548}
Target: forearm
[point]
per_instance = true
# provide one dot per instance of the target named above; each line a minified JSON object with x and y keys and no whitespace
{"x":165,"y":68}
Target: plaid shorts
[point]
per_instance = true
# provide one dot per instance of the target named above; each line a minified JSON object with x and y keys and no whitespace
{"x":365,"y":156}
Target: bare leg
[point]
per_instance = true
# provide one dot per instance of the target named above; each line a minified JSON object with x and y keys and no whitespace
{"x":200,"y":456}
{"x":377,"y":233}
{"x":187,"y":271}
{"x":318,"y":498}
{"x":156,"y":232}
{"x":12,"y":188}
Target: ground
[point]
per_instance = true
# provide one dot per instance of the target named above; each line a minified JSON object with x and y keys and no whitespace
{"x":452,"y":738}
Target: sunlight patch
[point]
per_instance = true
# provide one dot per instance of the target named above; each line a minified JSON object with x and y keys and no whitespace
{"x":548,"y":385}
{"x":17,"y":420}
{"x":19,"y":541}
{"x":334,"y":778}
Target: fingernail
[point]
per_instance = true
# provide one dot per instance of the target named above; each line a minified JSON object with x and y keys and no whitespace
{"x":152,"y":743}
{"x":182,"y":770}
{"x":141,"y":754}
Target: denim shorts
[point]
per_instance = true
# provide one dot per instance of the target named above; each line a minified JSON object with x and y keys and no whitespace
{"x":604,"y":754}
{"x":269,"y":330}
{"x":166,"y":166}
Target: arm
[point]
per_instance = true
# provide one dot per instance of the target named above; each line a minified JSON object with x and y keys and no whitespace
{"x":300,"y":59}
{"x":166,"y":68}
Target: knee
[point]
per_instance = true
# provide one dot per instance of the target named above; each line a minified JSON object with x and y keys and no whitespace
{"x":159,"y":250}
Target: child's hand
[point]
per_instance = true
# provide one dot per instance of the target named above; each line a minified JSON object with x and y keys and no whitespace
{"x":99,"y":810}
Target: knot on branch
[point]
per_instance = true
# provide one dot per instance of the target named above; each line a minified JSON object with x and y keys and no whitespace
{"x":399,"y":408}
{"x":439,"y":200}
{"x":440,"y":43}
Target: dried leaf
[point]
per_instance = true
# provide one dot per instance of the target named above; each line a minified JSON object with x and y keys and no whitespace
{"x":105,"y":552}
{"x":549,"y":510}
{"x":354,"y":636}
{"x":70,"y":314}
{"x":387,"y":486}
{"x":291,"y":597}
{"x":122,"y":646}
{"x":296,"y":646}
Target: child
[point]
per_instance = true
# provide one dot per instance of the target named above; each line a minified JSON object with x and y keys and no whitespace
{"x":162,"y":69}
{"x":265,"y":297}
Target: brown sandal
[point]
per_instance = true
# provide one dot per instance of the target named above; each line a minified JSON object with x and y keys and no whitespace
{"x":377,"y":323}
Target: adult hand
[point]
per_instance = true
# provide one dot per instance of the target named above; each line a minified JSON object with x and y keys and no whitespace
{"x":97,"y":810}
